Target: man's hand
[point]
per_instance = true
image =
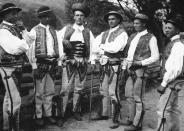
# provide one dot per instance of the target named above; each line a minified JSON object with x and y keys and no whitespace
{"x":36,"y":73}
{"x":161,"y":89}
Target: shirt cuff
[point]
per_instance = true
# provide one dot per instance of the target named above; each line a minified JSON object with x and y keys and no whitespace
{"x":34,"y":66}
{"x":92,"y":62}
{"x":164,"y":83}
{"x":59,"y":63}
{"x":143,"y":63}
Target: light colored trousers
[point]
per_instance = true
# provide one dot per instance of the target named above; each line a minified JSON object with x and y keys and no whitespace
{"x":45,"y":90}
{"x":168,"y":108}
{"x":108,"y":90}
{"x":14,"y":94}
{"x":134,"y":92}
{"x":73,"y":84}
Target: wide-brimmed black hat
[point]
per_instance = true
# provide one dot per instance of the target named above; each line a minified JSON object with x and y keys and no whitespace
{"x":81,"y":7}
{"x":113,"y":13}
{"x":43,"y":11}
{"x":141,"y":16}
{"x":176,"y":20}
{"x":6,"y":8}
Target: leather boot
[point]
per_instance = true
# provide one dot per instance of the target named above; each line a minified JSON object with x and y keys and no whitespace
{"x":77,"y":116}
{"x":39,"y":122}
{"x":116,"y":113}
{"x":16,"y":121}
{"x":60,"y":122}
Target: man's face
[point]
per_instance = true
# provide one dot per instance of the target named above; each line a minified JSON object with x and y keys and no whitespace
{"x":12,"y":16}
{"x":170,"y":30}
{"x":79,"y":17}
{"x":45,"y":20}
{"x":113,"y":21}
{"x":139,"y":25}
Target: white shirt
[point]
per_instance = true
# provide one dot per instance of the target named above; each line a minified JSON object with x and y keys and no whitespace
{"x":10,"y":43}
{"x":112,"y":47}
{"x":133,"y":45}
{"x":174,"y":63}
{"x":50,"y":45}
{"x":77,"y":34}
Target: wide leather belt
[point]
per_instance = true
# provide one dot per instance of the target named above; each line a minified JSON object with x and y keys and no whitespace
{"x":49,"y":61}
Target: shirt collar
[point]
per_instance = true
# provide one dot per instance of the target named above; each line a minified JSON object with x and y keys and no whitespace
{"x":7,"y":23}
{"x":44,"y":26}
{"x":143,"y":32}
{"x":80,"y":27}
{"x":113,"y":29}
{"x":175,"y":37}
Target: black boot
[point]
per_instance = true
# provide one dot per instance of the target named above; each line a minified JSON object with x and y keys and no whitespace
{"x":60,"y":122}
{"x":77,"y":116}
{"x":16,"y":121}
{"x":116,"y":113}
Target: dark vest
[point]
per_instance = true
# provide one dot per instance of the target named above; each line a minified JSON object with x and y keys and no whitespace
{"x":41,"y":43}
{"x":9,"y":60}
{"x":166,"y":54}
{"x":111,"y":38}
{"x":142,"y":50}
{"x":79,"y":49}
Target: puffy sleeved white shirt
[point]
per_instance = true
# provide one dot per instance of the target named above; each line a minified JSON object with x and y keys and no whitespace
{"x":12,"y":44}
{"x":112,"y":47}
{"x":174,"y":63}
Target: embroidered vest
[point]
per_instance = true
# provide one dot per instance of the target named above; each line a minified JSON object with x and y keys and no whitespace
{"x":111,"y":38}
{"x":9,"y":60}
{"x":79,"y":49}
{"x":41,"y":43}
{"x":142,"y":50}
{"x":166,"y":54}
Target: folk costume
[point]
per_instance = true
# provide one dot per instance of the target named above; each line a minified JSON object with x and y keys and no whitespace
{"x":108,"y":49}
{"x":12,"y":59}
{"x":168,"y":112}
{"x":80,"y":39}
{"x":44,"y":56}
{"x":141,"y":46}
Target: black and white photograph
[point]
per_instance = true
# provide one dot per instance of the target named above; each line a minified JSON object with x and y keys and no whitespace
{"x":91,"y":65}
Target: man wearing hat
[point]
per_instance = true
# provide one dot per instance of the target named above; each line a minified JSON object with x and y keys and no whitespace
{"x":77,"y":40}
{"x":108,"y":49}
{"x":168,"y":112}
{"x":13,"y":47}
{"x":141,"y":51}
{"x":44,"y":56}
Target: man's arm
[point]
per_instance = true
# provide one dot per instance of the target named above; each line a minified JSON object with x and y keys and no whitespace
{"x":154,"y":52}
{"x":31,"y":51}
{"x":118,"y":44}
{"x":95,"y":49}
{"x":174,"y":64}
{"x":61,"y":49}
{"x":12,"y":44}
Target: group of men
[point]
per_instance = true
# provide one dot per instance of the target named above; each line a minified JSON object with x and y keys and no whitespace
{"x":66,"y":54}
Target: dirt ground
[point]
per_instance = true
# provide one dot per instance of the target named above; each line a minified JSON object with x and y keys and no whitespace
{"x":149,"y":123}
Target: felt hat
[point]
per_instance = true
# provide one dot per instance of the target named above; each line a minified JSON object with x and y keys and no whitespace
{"x":6,"y":8}
{"x":113,"y":13}
{"x":141,"y":16}
{"x":81,"y":7}
{"x":43,"y":11}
